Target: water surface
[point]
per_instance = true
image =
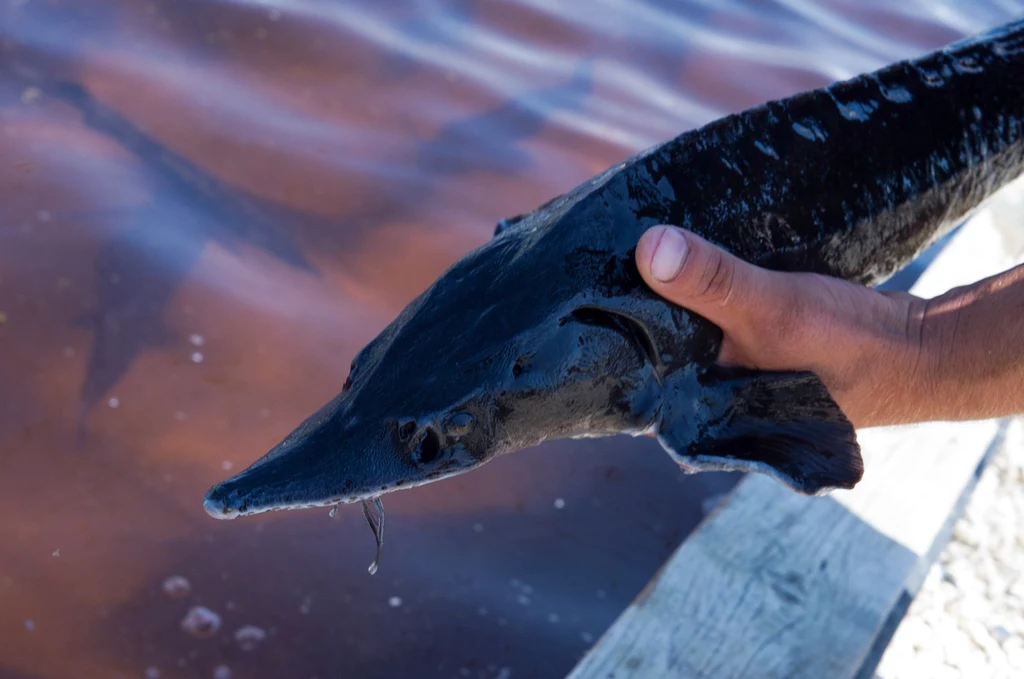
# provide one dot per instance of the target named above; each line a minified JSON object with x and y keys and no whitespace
{"x":207,"y":207}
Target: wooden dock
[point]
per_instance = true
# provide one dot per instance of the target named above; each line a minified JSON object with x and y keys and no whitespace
{"x":777,"y":585}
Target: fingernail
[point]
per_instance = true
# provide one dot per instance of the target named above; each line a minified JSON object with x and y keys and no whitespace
{"x":669,"y":255}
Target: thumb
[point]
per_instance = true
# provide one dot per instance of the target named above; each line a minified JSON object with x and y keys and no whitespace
{"x":702,"y":277}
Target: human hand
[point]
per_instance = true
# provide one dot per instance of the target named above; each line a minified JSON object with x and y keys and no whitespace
{"x":864,"y":345}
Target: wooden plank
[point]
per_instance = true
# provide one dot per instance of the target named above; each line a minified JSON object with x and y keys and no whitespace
{"x":774,"y":584}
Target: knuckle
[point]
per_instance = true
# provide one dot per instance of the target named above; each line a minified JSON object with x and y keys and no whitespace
{"x":717,"y":280}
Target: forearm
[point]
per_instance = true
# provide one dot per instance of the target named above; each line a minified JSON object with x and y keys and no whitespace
{"x":972,"y":351}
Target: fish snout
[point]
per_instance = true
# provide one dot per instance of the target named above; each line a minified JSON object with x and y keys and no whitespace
{"x":222,"y":502}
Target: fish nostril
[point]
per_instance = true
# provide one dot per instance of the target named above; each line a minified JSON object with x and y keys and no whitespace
{"x":428,"y":449}
{"x":406,"y":429}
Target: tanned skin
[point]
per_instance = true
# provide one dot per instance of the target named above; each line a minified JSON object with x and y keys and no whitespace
{"x":886,"y":358}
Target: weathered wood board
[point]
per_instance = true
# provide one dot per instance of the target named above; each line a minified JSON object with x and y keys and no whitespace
{"x":774,"y":584}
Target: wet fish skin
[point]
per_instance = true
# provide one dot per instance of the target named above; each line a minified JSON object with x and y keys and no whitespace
{"x":548,"y":331}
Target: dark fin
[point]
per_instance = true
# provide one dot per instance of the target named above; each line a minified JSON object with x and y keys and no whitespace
{"x":782,"y":424}
{"x":505,"y":224}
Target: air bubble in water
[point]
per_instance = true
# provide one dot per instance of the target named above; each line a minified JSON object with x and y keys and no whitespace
{"x":559,"y":503}
{"x":200,"y":622}
{"x":221,"y":672}
{"x":395,"y":601}
{"x":152,"y":673}
{"x":176,"y":586}
{"x":249,"y":637}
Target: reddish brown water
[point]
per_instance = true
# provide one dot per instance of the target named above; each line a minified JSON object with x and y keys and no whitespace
{"x":208,"y":206}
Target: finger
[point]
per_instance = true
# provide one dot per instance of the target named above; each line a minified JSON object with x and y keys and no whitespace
{"x":704,"y":278}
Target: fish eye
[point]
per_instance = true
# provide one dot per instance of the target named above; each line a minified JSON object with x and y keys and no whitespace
{"x":428,"y":449}
{"x":458,"y":424}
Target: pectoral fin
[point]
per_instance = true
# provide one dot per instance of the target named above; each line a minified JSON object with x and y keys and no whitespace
{"x":783,"y":424}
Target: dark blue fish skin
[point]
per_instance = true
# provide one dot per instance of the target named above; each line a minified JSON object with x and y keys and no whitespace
{"x":548,"y":330}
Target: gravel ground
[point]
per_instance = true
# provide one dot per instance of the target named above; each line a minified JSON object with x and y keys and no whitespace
{"x":968,"y":620}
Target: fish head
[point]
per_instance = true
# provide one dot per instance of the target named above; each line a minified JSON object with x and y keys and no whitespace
{"x":502,"y":352}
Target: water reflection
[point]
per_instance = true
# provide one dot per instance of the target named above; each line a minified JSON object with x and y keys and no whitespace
{"x":207,"y":208}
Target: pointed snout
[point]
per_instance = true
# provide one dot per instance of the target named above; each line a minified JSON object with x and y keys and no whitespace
{"x":323,"y":462}
{"x":221,"y":502}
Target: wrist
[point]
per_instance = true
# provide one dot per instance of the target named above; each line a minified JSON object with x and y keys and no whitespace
{"x":891,"y":365}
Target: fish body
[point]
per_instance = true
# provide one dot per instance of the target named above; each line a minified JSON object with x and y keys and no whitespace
{"x":548,"y":331}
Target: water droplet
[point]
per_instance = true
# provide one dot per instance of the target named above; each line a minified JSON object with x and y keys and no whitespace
{"x":307,"y":601}
{"x":553,"y":618}
{"x":601,"y":594}
{"x":114,"y":402}
{"x":478,"y":528}
{"x":30,"y":94}
{"x":30,"y":625}
{"x":200,"y":622}
{"x":197,"y":357}
{"x":523,"y":599}
{"x":55,"y":552}
{"x":180,"y":416}
{"x":482,"y":612}
{"x":226,"y":465}
{"x":221,"y":672}
{"x":152,"y":673}
{"x":559,"y":503}
{"x":464,"y":672}
{"x":395,"y":601}
{"x":196,"y":339}
{"x":249,"y":637}
{"x":505,"y":673}
{"x":69,"y":352}
{"x":587,"y":637}
{"x":176,"y":586}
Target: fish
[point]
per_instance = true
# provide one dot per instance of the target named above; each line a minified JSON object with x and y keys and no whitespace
{"x":547,"y":331}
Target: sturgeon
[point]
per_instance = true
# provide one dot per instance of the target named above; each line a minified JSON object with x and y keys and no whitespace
{"x":548,"y":331}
